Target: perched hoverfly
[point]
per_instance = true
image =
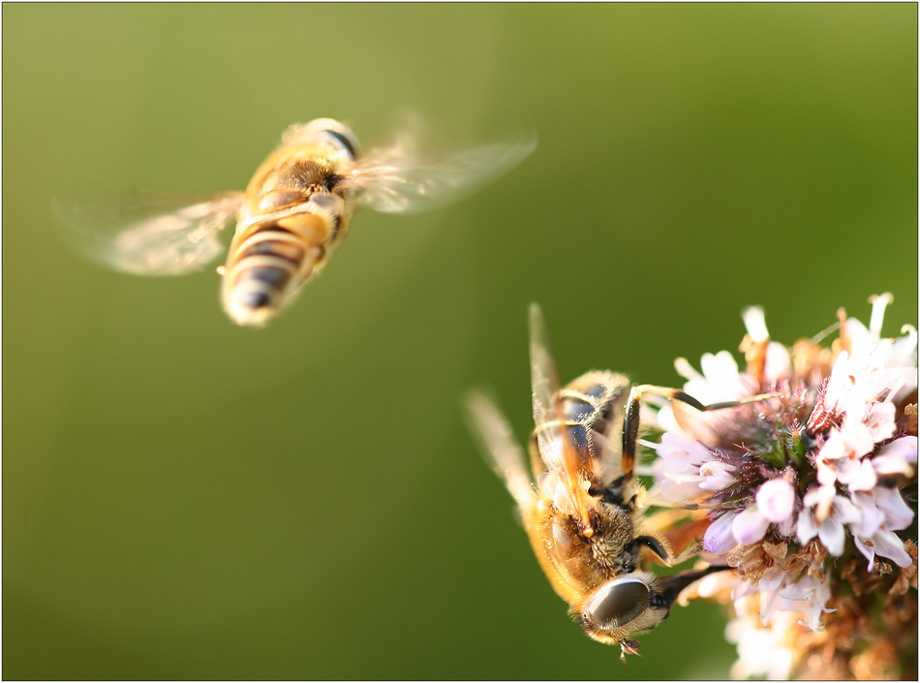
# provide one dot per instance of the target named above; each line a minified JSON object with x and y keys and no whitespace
{"x":582,"y":506}
{"x":296,"y":210}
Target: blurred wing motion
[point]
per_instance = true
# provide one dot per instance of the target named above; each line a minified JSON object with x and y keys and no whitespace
{"x":145,"y":233}
{"x":498,"y":444}
{"x":295,"y":212}
{"x":395,"y":180}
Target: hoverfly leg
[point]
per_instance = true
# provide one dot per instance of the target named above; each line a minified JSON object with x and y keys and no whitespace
{"x":671,"y":586}
{"x":631,"y":419}
{"x":669,"y":525}
{"x":651,"y":501}
{"x":651,"y":543}
{"x":690,"y":551}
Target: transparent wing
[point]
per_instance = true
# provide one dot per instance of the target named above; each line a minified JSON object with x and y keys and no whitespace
{"x":552,"y":427}
{"x":544,"y":383}
{"x":146,"y":233}
{"x":397,"y":180}
{"x":501,"y":450}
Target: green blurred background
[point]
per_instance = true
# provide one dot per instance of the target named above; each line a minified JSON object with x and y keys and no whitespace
{"x":187,"y":499}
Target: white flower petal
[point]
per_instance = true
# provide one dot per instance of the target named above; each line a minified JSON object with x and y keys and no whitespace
{"x":868,"y":550}
{"x":687,"y":371}
{"x":858,"y":440}
{"x":709,"y":586}
{"x":827,"y":473}
{"x":832,"y":536}
{"x":749,"y":526}
{"x":721,"y":380}
{"x":802,"y":589}
{"x":852,"y":440}
{"x":879,"y":303}
{"x":858,"y":475}
{"x":839,"y":382}
{"x":755,"y":323}
{"x":778,"y":364}
{"x":859,"y":335}
{"x":887,"y":544}
{"x":787,"y":527}
{"x":716,"y":476}
{"x":683,"y":453}
{"x":845,"y":511}
{"x":881,"y":421}
{"x":903,"y":351}
{"x":897,"y":457}
{"x":820,"y":498}
{"x":898,"y":514}
{"x":872,"y":516}
{"x":721,"y":367}
{"x":817,"y":606}
{"x":718,"y":538}
{"x":671,"y":486}
{"x":776,"y":499}
{"x":806,"y":528}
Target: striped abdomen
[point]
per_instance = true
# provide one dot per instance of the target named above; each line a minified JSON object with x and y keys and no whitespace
{"x":268,"y":263}
{"x":591,"y":408}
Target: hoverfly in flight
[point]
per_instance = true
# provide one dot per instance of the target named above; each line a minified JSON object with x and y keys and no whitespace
{"x":296,"y":210}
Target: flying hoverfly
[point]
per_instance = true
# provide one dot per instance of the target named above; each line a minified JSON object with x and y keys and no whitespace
{"x":581,"y":503}
{"x":296,"y":210}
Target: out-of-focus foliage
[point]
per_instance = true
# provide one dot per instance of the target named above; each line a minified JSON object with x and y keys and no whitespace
{"x":186,"y":499}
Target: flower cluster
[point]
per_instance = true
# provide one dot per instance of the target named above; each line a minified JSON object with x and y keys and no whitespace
{"x":811,"y":479}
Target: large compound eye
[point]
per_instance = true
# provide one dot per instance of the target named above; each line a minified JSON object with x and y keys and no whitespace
{"x":618,"y":603}
{"x":329,"y":131}
{"x":338,"y":135}
{"x":342,"y":138}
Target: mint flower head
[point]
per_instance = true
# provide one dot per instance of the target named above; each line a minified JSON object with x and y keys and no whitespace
{"x":816,"y":489}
